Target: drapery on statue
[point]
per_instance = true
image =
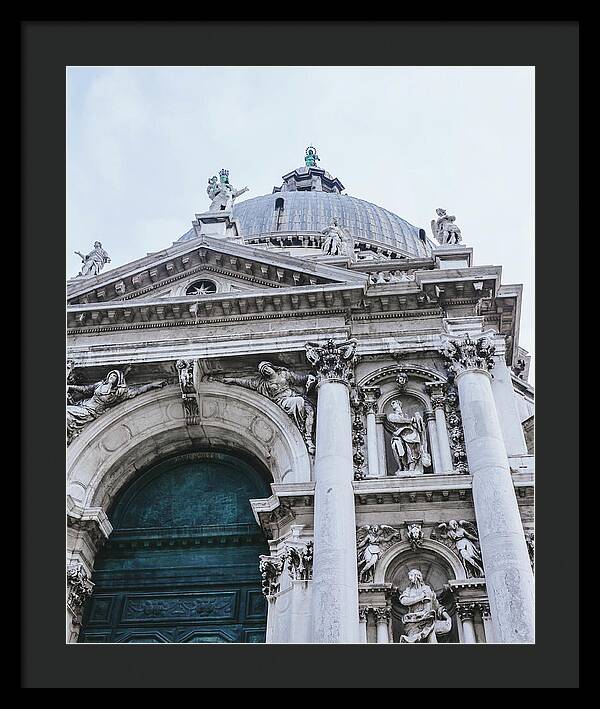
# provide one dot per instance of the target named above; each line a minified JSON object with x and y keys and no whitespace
{"x":463,"y":536}
{"x":337,"y":242}
{"x":444,"y":229}
{"x":409,"y":440}
{"x":103,"y":395}
{"x":94,"y":262}
{"x":368,"y":546}
{"x":278,"y":384}
{"x":426,"y":618}
{"x":222,"y":192}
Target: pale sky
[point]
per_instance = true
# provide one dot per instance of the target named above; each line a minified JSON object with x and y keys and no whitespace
{"x":142,"y":143}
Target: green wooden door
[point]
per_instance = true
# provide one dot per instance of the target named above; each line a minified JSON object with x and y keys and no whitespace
{"x":181,"y":564}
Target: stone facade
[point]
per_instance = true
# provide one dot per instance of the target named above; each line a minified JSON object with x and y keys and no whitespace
{"x":381,"y":390}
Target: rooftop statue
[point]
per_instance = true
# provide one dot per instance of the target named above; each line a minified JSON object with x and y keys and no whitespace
{"x":426,"y":618}
{"x":311,"y":157}
{"x":444,"y":229}
{"x":94,"y":262}
{"x":222,"y":192}
{"x":337,"y":241}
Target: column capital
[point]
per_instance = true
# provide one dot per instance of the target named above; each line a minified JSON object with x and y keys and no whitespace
{"x":382,"y":614}
{"x":79,"y":587}
{"x":484,"y":608}
{"x":466,"y":611}
{"x":332,"y":361}
{"x":462,"y":354}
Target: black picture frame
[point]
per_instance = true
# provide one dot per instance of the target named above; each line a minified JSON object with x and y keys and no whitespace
{"x":47,"y":48}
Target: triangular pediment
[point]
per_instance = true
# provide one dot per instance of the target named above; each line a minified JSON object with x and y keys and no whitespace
{"x":231,"y":266}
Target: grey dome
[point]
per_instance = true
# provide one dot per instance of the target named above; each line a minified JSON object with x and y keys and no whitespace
{"x":313,"y":211}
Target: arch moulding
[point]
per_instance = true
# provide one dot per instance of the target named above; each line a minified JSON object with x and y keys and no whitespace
{"x":112,"y":449}
{"x":394,"y":553}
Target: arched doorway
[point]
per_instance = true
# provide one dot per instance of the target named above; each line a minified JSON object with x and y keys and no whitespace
{"x":181,"y":564}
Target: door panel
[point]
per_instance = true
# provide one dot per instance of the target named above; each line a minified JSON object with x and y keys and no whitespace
{"x":182,"y":562}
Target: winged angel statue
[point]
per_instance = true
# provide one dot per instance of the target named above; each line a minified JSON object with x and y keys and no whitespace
{"x":368,"y":545}
{"x":462,"y":537}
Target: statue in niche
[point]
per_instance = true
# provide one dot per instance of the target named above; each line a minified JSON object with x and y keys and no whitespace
{"x":221,"y":192}
{"x":369,"y":539}
{"x":278,"y":384}
{"x":463,"y":537}
{"x":94,"y":262}
{"x":444,"y":229}
{"x":103,"y":395}
{"x":336,"y":242}
{"x":426,"y":618}
{"x":409,"y":440}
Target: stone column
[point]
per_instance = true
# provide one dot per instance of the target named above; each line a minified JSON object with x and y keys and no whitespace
{"x":508,"y":413}
{"x":335,"y":576}
{"x":363,"y":613}
{"x":382,"y":616}
{"x":466,"y":612}
{"x":438,"y":403}
{"x":484,"y":609}
{"x":370,"y":403}
{"x":433,"y":437}
{"x":509,"y":579}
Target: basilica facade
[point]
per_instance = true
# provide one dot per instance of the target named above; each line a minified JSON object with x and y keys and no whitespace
{"x":305,"y":421}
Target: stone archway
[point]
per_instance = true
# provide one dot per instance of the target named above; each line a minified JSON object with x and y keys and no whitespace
{"x":112,"y":449}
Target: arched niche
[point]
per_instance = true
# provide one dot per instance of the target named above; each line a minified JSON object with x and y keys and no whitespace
{"x":390,"y":372}
{"x":437,"y":565}
{"x":414,"y":401}
{"x":113,"y":449}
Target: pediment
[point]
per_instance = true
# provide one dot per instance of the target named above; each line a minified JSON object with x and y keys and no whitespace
{"x":231,"y":266}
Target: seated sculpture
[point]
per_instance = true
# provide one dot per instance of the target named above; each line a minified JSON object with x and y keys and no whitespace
{"x":426,"y":618}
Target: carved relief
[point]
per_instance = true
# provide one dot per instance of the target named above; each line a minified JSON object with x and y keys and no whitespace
{"x":463,"y":354}
{"x":300,"y":561}
{"x":461,"y":537}
{"x":270,"y":572}
{"x":455,"y":431}
{"x":281,"y":386}
{"x":530,"y":540}
{"x":79,"y":588}
{"x":139,"y":609}
{"x":358,"y":405}
{"x":370,"y":541}
{"x":189,"y":400}
{"x":334,"y":360}
{"x":103,"y":395}
{"x":414,"y":534}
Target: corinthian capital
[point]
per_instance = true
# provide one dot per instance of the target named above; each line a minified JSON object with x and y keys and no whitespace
{"x":333,"y":361}
{"x":79,"y":587}
{"x":462,"y":354}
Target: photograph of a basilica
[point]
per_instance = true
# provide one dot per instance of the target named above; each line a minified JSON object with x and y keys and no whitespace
{"x":301,"y":418}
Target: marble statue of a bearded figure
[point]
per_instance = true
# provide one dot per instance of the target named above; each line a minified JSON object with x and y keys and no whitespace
{"x":409,"y":441}
{"x":109,"y":392}
{"x":426,"y":618}
{"x":278,"y":384}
